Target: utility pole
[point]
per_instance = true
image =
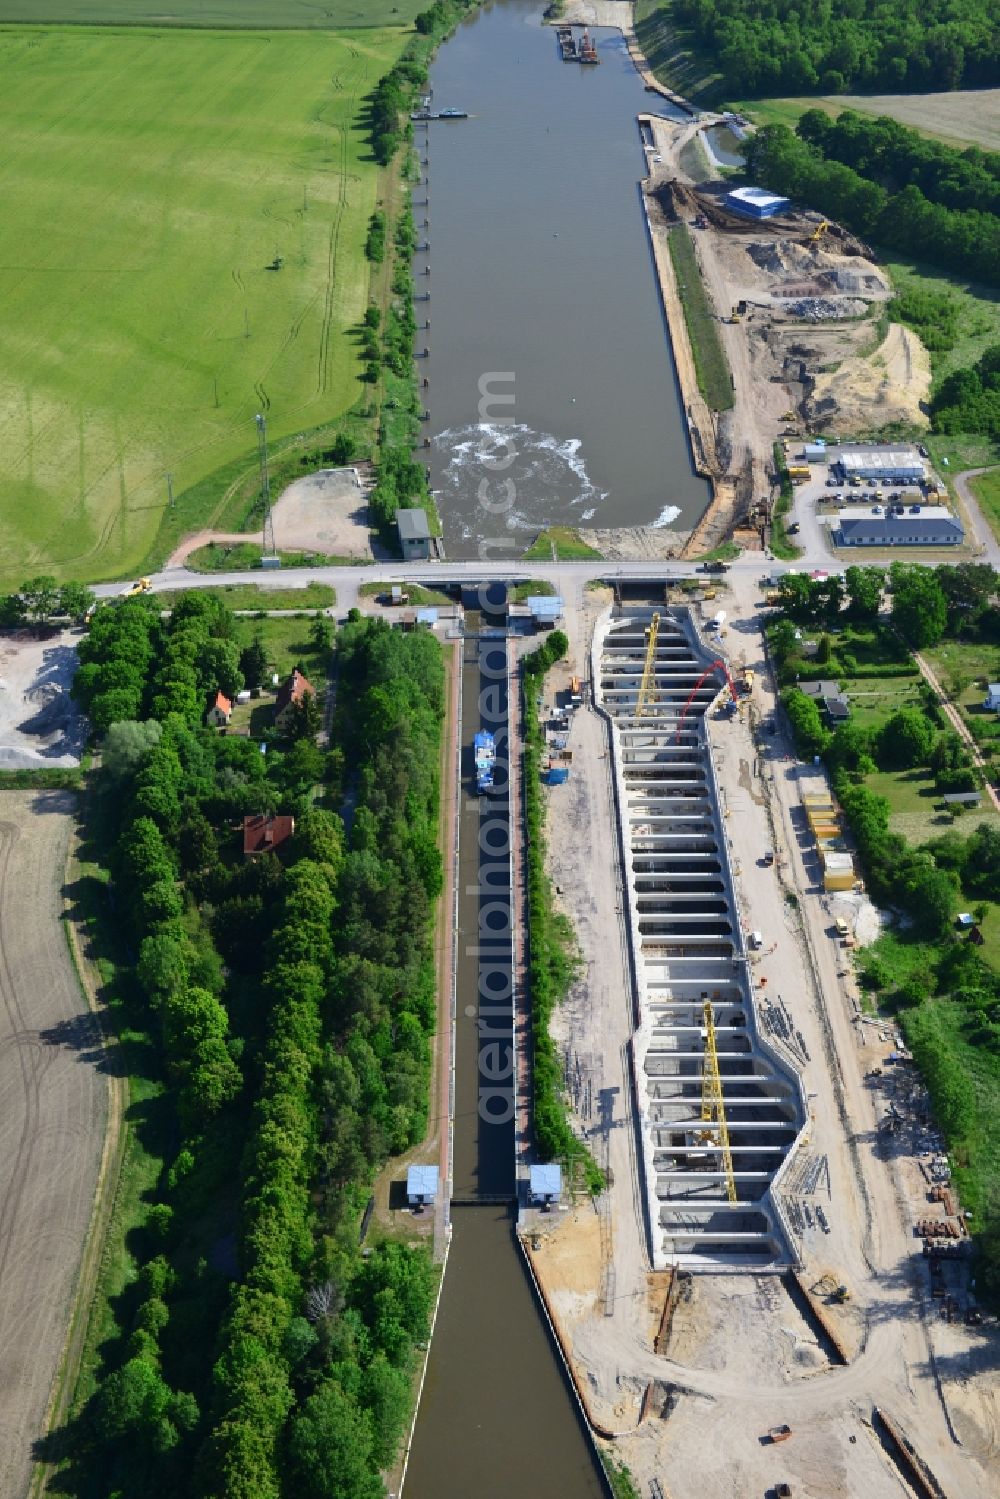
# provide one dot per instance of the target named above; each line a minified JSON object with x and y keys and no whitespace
{"x":170,"y":490}
{"x":269,"y":548}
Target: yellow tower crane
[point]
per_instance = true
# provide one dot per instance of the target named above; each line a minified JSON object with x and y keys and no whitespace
{"x":647,"y":687}
{"x":713,"y":1108}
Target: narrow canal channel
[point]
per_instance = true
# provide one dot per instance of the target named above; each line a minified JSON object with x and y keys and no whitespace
{"x":497,"y":1418}
{"x":542,"y":288}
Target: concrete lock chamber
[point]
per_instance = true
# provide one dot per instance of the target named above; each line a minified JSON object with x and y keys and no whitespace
{"x":719,"y":1108}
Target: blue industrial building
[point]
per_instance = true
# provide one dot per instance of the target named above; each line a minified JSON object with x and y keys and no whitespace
{"x":756,"y":202}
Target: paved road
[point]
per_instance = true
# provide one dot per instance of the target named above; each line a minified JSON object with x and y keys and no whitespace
{"x":978,"y":524}
{"x":569,"y":578}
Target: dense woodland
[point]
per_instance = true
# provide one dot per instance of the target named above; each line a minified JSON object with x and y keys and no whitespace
{"x":924,"y":885}
{"x":767,"y":47}
{"x":281,"y":1012}
{"x":969,"y":400}
{"x":888,"y":184}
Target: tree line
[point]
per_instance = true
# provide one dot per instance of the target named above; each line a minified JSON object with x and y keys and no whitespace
{"x":876,"y":198}
{"x":285,"y":1009}
{"x":946,"y":994}
{"x":969,"y":400}
{"x":895,"y":155}
{"x":766,"y":47}
{"x":396,"y":94}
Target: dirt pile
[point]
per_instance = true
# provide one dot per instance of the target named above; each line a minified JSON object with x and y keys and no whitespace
{"x":890,"y":385}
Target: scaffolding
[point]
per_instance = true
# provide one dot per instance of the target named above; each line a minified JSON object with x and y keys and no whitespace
{"x":713,"y":1108}
{"x":647,"y":687}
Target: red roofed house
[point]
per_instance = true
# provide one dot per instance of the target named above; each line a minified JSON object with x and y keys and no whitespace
{"x":290,"y":693}
{"x":220,"y":711}
{"x":263,"y":834}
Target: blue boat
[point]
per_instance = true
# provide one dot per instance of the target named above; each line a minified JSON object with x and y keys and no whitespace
{"x":485,"y":752}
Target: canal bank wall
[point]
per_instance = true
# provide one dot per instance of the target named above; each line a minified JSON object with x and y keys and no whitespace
{"x":700,"y":419}
{"x":619,"y":15}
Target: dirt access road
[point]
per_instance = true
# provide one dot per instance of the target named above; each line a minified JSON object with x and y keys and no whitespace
{"x":53,"y":1107}
{"x":742,"y":1357}
{"x":959,"y":725}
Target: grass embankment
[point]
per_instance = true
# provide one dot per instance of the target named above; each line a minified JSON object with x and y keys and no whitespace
{"x":552,"y":955}
{"x":242,"y":596}
{"x":560,"y":544}
{"x":244,"y":556}
{"x":711,"y":365}
{"x":987,"y":491}
{"x":147,"y":330}
{"x":669,"y":51}
{"x":782,"y":546}
{"x":145,"y":1146}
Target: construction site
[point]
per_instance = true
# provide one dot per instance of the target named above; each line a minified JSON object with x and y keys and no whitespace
{"x":773,"y":1255}
{"x":797,"y":301}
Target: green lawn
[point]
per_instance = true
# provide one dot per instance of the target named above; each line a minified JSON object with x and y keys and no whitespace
{"x":252,"y":596}
{"x":978,"y":311}
{"x":917,"y":811}
{"x":316,"y":14}
{"x":987,"y":491}
{"x":287,"y":643}
{"x":149,"y":180}
{"x":711,"y":365}
{"x":958,"y":663}
{"x":560,"y":544}
{"x":874,"y":699}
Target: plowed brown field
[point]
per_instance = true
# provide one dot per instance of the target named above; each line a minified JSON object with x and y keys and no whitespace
{"x":53,"y":1105}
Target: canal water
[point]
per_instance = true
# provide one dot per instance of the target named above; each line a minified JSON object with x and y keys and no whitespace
{"x":497,"y":1417}
{"x":551,"y":388}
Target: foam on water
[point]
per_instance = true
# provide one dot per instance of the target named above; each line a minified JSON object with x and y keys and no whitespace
{"x":666,"y":517}
{"x":532,"y":477}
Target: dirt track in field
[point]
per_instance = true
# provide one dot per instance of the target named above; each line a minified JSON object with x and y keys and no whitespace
{"x":53,"y":1105}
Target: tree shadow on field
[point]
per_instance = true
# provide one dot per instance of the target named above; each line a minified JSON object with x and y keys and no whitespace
{"x":83,"y":1034}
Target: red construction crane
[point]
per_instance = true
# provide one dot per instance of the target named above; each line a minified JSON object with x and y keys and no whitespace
{"x":718,"y":665}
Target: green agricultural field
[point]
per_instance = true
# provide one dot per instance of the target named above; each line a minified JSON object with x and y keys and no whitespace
{"x":294,"y":14}
{"x":150,"y":178}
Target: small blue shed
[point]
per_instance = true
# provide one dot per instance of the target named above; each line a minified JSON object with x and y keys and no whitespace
{"x":421,"y":1186}
{"x":545,"y":1184}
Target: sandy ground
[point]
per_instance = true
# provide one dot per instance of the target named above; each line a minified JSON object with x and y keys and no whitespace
{"x":742,"y":1356}
{"x":596,"y":13}
{"x":324,"y":512}
{"x":891,"y":385}
{"x":39,"y":723}
{"x":53,"y":1103}
{"x":635,"y":542}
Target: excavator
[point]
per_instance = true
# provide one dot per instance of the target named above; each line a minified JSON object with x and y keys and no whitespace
{"x":819,"y":231}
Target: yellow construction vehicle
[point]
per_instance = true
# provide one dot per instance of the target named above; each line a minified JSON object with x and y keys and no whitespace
{"x":832,"y":1289}
{"x":714,"y":1130}
{"x":142,"y":586}
{"x":819,"y":231}
{"x":647,"y":687}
